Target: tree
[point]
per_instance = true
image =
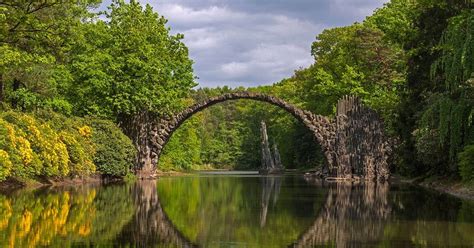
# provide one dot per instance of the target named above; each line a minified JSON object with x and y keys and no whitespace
{"x":129,"y":64}
{"x":130,"y":69}
{"x":35,"y":40}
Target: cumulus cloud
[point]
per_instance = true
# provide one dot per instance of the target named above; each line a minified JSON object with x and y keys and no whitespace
{"x":249,"y":43}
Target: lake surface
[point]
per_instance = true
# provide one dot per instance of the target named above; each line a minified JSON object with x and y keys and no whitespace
{"x":235,"y":210}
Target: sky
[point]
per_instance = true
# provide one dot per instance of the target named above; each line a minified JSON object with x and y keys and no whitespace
{"x":254,"y":42}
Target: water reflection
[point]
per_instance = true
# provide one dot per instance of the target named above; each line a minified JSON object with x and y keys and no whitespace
{"x":354,"y":213}
{"x":60,"y":218}
{"x":238,"y":211}
{"x":150,"y":225}
{"x":386,"y":215}
{"x":216,"y":211}
{"x":270,"y":187}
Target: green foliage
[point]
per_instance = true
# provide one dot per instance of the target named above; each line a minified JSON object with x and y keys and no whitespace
{"x":356,"y":60}
{"x":36,"y":40}
{"x":183,"y":150}
{"x":456,"y":62}
{"x":428,"y":149}
{"x":395,"y":20}
{"x":411,"y":60}
{"x":466,"y":163}
{"x":115,"y":152}
{"x":449,"y":105}
{"x":129,"y":64}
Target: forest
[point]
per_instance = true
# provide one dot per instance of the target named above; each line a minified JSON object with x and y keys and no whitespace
{"x":72,"y":78}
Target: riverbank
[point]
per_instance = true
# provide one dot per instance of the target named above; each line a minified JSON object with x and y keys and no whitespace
{"x":11,"y":184}
{"x":449,"y":186}
{"x":14,"y":184}
{"x":446,"y":185}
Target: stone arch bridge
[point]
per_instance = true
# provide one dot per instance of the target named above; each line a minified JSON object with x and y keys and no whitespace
{"x":353,"y":142}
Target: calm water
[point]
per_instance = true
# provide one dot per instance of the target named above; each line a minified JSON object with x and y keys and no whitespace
{"x":225,"y":210}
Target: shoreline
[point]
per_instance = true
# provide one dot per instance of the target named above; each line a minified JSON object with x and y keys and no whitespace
{"x":443,"y":185}
{"x":448,"y":186}
{"x":453,"y":188}
{"x":13,"y":184}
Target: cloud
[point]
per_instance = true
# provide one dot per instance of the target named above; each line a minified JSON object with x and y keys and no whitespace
{"x":187,"y":16}
{"x":249,"y":43}
{"x":235,"y":69}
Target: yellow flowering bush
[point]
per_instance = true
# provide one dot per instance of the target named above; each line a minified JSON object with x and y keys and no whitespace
{"x":5,"y":164}
{"x":52,"y":145}
{"x":44,"y":141}
{"x":78,"y":140}
{"x":80,"y":154}
{"x":22,"y":161}
{"x":85,"y":131}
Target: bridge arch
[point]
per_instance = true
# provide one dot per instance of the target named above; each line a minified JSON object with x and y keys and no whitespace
{"x":319,"y":125}
{"x":353,"y":142}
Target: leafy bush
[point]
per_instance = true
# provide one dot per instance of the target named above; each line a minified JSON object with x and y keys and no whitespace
{"x":50,"y":144}
{"x":18,"y":158}
{"x":115,"y":152}
{"x":44,"y":141}
{"x":428,"y":148}
{"x":466,"y":163}
{"x":5,"y":165}
{"x":77,"y":136}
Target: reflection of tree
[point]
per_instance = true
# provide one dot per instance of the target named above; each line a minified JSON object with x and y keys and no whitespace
{"x":212,"y":210}
{"x":353,"y":213}
{"x":150,"y":225}
{"x":270,"y":186}
{"x":62,"y":217}
{"x":224,"y":211}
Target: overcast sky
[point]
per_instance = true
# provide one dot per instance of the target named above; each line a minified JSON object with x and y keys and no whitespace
{"x":254,"y":42}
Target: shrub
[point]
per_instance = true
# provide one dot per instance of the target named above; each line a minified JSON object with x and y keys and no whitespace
{"x":77,"y":136}
{"x":115,"y":152}
{"x":466,"y":163}
{"x":5,"y":165}
{"x":45,"y":142}
{"x":50,"y":144}
{"x":428,"y":148}
{"x":23,"y":161}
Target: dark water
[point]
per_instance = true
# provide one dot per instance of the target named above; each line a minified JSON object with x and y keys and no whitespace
{"x":235,"y":211}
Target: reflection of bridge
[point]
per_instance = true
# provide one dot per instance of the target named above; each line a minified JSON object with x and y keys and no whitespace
{"x":353,"y":143}
{"x":353,"y":213}
{"x":153,"y":225}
